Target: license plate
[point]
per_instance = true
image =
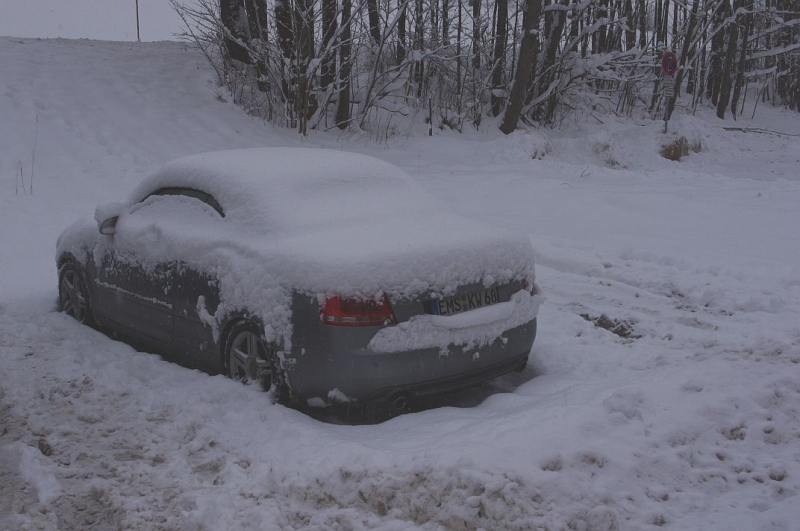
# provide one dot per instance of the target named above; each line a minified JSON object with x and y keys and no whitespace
{"x":464,"y":303}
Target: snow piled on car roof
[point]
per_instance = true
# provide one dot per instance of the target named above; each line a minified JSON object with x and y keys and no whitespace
{"x":336,"y":222}
{"x":287,"y":189}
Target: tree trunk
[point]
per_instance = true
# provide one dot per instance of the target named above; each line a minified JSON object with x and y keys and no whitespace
{"x":657,"y":23}
{"x":374,"y":21}
{"x":459,"y":31}
{"x":328,"y":67}
{"x":788,"y":82}
{"x":446,"y":22}
{"x":230,"y":12}
{"x":717,"y":45}
{"x":527,"y":57}
{"x":419,"y":44}
{"x":401,"y":32}
{"x":303,"y":23}
{"x":727,"y":68}
{"x":630,"y":33}
{"x":739,"y":84}
{"x":687,"y":53}
{"x":259,"y":36}
{"x":285,"y":28}
{"x":642,"y":24}
{"x":343,"y":105}
{"x":674,"y":39}
{"x":602,"y":31}
{"x":500,"y":42}
{"x":283,"y":22}
{"x":476,"y":34}
{"x":557,"y":21}
{"x":257,"y":19}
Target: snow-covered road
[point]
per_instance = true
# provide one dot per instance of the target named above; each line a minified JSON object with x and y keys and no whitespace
{"x":690,"y":423}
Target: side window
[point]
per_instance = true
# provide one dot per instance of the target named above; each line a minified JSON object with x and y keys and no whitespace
{"x":191,"y":192}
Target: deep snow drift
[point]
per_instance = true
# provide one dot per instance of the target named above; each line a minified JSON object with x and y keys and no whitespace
{"x":690,"y":422}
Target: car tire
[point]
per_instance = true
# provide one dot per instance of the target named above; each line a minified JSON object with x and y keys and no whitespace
{"x":73,"y":295}
{"x":249,"y":358}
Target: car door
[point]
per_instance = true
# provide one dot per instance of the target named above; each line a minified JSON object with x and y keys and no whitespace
{"x":136,"y":298}
{"x":195,"y":306}
{"x":134,"y":291}
{"x":138,"y":279}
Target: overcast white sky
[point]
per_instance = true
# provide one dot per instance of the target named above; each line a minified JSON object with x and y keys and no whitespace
{"x":89,"y":19}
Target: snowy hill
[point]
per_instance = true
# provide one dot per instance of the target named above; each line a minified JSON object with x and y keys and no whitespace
{"x":691,"y":422}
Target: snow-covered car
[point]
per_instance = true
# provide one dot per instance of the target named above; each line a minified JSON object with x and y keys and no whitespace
{"x":326,"y":276}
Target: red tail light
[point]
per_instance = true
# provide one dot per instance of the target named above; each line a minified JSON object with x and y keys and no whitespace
{"x":339,"y":311}
{"x":527,"y":285}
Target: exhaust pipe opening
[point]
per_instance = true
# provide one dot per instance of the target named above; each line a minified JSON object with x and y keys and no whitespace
{"x":400,"y":402}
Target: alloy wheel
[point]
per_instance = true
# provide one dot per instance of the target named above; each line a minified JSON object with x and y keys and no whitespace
{"x":249,"y":359}
{"x":72,"y":294}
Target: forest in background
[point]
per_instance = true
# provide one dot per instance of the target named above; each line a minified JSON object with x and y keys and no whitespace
{"x":361,"y":64}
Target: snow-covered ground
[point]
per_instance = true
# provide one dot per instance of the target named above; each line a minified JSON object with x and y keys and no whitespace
{"x":690,"y":423}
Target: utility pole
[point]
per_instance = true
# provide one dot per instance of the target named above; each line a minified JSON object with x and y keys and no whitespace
{"x":138,"y":36}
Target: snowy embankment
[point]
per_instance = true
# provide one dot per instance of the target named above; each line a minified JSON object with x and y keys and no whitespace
{"x":690,"y":422}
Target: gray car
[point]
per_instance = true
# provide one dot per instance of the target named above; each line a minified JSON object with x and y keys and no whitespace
{"x":328,"y":277}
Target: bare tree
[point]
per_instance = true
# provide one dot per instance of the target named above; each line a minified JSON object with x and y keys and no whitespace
{"x":528,"y":50}
{"x":498,"y":64}
{"x":343,"y":105}
{"x":313,"y":63}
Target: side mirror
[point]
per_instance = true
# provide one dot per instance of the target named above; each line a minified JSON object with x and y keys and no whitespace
{"x":109,"y":226}
{"x":106,"y":216}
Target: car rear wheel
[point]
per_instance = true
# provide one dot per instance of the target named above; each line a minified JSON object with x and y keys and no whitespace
{"x":73,"y":295}
{"x":250,"y":359}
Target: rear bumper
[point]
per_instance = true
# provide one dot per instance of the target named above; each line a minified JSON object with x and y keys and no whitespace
{"x":324,"y":369}
{"x":450,"y":383}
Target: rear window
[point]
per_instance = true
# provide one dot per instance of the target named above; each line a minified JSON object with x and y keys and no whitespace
{"x":191,"y":192}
